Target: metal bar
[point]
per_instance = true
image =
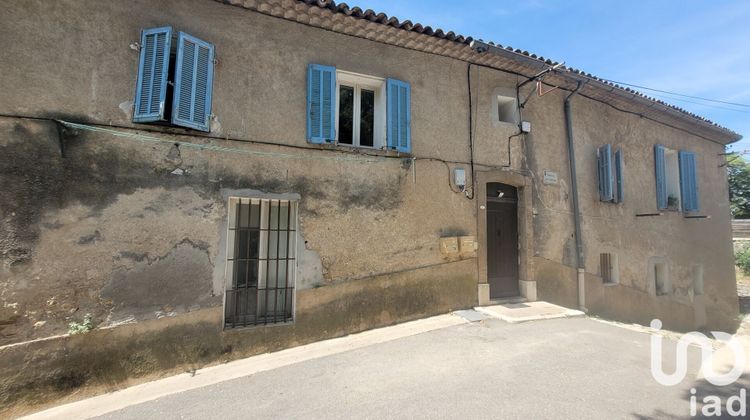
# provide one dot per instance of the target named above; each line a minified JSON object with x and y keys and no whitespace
{"x":247,"y":266}
{"x":257,"y":229}
{"x":268,"y":254}
{"x":243,"y":316}
{"x":257,"y":268}
{"x":286,"y":259}
{"x":234,"y":266}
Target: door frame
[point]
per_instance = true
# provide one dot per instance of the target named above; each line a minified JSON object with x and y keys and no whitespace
{"x":524,"y":185}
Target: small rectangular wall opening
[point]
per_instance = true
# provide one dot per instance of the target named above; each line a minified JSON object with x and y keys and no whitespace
{"x":697,"y":280}
{"x":661,"y":279}
{"x":609,"y":268}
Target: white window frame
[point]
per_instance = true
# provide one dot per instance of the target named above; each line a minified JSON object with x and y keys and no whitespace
{"x":377,"y":85}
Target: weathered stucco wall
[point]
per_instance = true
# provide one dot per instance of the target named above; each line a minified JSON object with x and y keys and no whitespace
{"x":615,"y":228}
{"x":131,"y":228}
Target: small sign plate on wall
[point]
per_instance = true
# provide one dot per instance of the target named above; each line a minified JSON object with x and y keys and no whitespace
{"x":550,"y":177}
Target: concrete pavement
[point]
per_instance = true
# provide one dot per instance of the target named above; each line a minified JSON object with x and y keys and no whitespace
{"x":573,"y":368}
{"x":443,"y":367}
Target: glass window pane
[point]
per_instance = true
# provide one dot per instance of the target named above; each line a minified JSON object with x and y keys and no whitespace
{"x":242,"y":244}
{"x":264,"y":208}
{"x":254,"y":243}
{"x":284,"y":219}
{"x":346,"y":114}
{"x":255,"y":214}
{"x":240,"y":273}
{"x":244,"y":214}
{"x":367,"y":118}
{"x":283,"y":244}
{"x":271,"y":281}
{"x":272,"y":244}
{"x":252,"y":274}
{"x":274,"y":215}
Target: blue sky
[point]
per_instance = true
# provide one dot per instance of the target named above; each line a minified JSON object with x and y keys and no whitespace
{"x":698,"y":48}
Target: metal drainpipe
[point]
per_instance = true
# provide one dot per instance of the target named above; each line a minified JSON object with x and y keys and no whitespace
{"x":581,"y":263}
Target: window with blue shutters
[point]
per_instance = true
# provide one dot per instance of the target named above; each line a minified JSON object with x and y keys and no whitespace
{"x":321,"y":103}
{"x":605,"y":173}
{"x":153,"y":71}
{"x":688,"y":181}
{"x":676,"y":180}
{"x":399,"y":115}
{"x":174,"y":79}
{"x":193,"y":79}
{"x":357,"y":110}
{"x":610,"y":174}
{"x":619,"y":184}
{"x":661,"y":177}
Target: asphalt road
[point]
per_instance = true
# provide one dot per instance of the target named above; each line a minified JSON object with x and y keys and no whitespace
{"x":560,"y":368}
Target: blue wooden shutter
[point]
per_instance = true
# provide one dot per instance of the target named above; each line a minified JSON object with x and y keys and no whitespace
{"x":194,"y":72}
{"x":605,"y":172}
{"x":153,"y":67}
{"x":620,"y":195}
{"x":688,"y":181}
{"x":398,"y":115}
{"x":661,"y":177}
{"x":321,"y":104}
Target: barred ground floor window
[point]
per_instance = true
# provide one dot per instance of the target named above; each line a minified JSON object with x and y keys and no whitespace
{"x":261,"y":250}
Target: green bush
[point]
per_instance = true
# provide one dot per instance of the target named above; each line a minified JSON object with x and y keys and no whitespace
{"x":81,"y":327}
{"x":742,"y":258}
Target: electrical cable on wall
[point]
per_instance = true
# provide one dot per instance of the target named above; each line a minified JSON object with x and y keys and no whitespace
{"x":471,"y":135}
{"x":151,"y":139}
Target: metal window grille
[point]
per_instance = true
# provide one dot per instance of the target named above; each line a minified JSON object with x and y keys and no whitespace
{"x":260,"y":261}
{"x":605,"y":262}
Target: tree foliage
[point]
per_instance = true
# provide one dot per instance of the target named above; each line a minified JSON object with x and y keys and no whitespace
{"x":739,"y":186}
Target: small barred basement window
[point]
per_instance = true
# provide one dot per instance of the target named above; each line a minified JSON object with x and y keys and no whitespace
{"x":609,"y":268}
{"x":261,"y":264}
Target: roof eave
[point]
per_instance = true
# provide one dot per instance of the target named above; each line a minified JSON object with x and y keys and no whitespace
{"x":718,"y":134}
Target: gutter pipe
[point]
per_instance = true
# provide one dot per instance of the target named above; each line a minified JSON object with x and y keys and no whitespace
{"x":580,"y":259}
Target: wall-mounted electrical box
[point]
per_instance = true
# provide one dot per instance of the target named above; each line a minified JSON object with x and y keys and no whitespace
{"x":449,"y":246}
{"x":467,"y":245}
{"x":526,"y":126}
{"x":459,"y":178}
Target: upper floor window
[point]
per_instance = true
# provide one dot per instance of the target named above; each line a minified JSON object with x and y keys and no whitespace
{"x":676,"y":179}
{"x":361,"y":110}
{"x":357,"y":110}
{"x":611,"y":186}
{"x":174,"y":79}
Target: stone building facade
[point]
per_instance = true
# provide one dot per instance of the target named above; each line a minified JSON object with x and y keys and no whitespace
{"x":284,"y":171}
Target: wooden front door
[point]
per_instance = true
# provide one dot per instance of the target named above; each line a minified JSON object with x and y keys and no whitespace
{"x":502,"y":241}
